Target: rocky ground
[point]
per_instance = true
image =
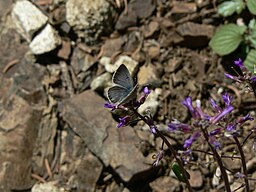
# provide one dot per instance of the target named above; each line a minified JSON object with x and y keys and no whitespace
{"x":56,"y":62}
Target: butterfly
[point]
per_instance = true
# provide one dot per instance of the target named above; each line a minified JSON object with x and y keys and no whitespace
{"x":124,"y":89}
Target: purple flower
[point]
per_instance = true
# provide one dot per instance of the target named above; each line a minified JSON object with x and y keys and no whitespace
{"x":159,"y":156}
{"x":214,"y":105}
{"x":227,"y":98}
{"x":111,"y":106}
{"x":185,"y":128}
{"x":188,"y":103}
{"x":124,"y":121}
{"x":248,"y":117}
{"x":216,"y":144}
{"x":215,"y":132}
{"x":187,"y":156}
{"x":153,"y":129}
{"x":146,"y":91}
{"x":239,"y":175}
{"x":232,"y":77}
{"x":231,"y":130}
{"x":253,"y":79}
{"x":143,"y":98}
{"x":239,"y":63}
{"x":188,"y":143}
{"x":231,"y":127}
{"x":219,"y":116}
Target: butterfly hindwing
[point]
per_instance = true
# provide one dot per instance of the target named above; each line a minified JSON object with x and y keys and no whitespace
{"x":123,"y":78}
{"x":117,"y":93}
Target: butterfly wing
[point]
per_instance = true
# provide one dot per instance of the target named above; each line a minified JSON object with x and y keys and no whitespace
{"x":123,"y":78}
{"x":132,"y":95}
{"x":117,"y":93}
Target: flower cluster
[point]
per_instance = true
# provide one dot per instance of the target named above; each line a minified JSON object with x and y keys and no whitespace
{"x":245,"y":76}
{"x":216,"y":125}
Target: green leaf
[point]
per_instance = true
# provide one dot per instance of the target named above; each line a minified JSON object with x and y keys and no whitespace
{"x":250,"y":60}
{"x":251,"y":4}
{"x":252,"y":24}
{"x":252,"y":39}
{"x":227,"y":39}
{"x":227,"y":8}
{"x":177,"y":171}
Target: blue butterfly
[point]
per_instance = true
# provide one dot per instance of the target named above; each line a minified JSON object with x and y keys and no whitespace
{"x":124,"y":89}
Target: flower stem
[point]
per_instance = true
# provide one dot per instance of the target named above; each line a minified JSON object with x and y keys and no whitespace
{"x":240,"y":149}
{"x":219,"y":161}
{"x":158,"y":133}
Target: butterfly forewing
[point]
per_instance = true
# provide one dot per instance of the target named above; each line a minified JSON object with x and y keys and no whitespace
{"x":123,"y":78}
{"x":117,"y":94}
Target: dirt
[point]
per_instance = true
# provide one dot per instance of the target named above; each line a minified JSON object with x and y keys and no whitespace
{"x":171,"y":37}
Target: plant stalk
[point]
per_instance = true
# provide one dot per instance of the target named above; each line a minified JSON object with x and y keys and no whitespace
{"x":219,"y":161}
{"x":158,"y":133}
{"x":240,"y":149}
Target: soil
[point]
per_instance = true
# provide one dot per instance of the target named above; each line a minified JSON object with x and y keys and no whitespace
{"x":171,"y":37}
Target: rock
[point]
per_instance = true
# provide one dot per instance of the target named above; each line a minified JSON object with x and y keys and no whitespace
{"x":142,"y":8}
{"x":152,"y":102}
{"x":48,"y":187}
{"x":11,"y":41}
{"x":19,"y":124}
{"x":165,"y":184}
{"x":147,"y":75}
{"x":112,"y":46}
{"x":137,"y":9}
{"x":183,"y":8}
{"x":126,"y":19}
{"x":77,"y":161}
{"x":195,"y":35}
{"x":5,"y":6}
{"x":65,"y":50}
{"x":81,"y":179}
{"x":106,"y":61}
{"x":81,"y":61}
{"x":196,"y":179}
{"x":102,"y":81}
{"x":86,"y":115}
{"x":216,"y":180}
{"x":154,"y":50}
{"x":150,"y":29}
{"x":131,"y":64}
{"x":90,"y":19}
{"x":47,"y":40}
{"x":27,"y":18}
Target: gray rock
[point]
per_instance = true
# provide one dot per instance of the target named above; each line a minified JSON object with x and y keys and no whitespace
{"x":90,"y":19}
{"x":47,"y":187}
{"x":147,"y":75}
{"x":86,"y":115}
{"x":130,"y":63}
{"x":152,"y":102}
{"x":47,"y":40}
{"x":101,"y":82}
{"x":196,"y":178}
{"x":165,"y":184}
{"x":19,"y":124}
{"x":27,"y":18}
{"x":77,"y":163}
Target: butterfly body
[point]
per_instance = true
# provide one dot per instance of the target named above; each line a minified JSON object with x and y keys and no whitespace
{"x":124,"y":89}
